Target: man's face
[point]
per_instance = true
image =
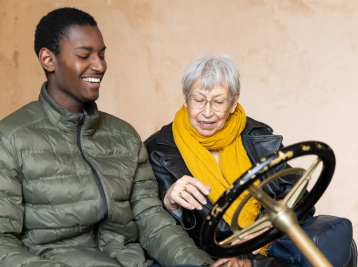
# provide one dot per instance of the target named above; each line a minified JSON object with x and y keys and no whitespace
{"x":80,"y":66}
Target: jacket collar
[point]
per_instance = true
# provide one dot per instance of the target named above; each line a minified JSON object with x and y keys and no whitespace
{"x":65,"y":120}
{"x":165,"y":136}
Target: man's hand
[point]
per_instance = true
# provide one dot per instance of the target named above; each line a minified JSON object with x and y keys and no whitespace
{"x":232,"y":262}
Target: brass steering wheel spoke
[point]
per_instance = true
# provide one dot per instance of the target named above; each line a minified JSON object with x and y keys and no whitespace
{"x":257,"y":226}
{"x":298,"y":190}
{"x":290,"y":171}
{"x":264,"y":199}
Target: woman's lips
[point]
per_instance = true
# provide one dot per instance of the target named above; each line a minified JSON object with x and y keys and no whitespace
{"x":206,"y":125}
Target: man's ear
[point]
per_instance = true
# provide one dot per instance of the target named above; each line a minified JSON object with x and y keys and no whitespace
{"x":47,"y":59}
{"x":233,"y":108}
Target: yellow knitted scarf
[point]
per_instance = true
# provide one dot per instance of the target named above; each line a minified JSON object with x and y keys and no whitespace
{"x":232,"y":156}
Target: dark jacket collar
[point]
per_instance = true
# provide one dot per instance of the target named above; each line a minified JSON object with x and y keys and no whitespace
{"x":165,"y":136}
{"x":66,"y":120}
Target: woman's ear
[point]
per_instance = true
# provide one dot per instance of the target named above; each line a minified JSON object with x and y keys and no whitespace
{"x":233,"y":108}
{"x":47,"y":59}
{"x":185,"y":102}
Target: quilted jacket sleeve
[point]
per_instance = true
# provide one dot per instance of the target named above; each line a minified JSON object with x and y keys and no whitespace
{"x":159,"y":235}
{"x":12,"y":252}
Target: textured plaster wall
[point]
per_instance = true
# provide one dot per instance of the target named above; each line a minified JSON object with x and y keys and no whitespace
{"x":298,"y":61}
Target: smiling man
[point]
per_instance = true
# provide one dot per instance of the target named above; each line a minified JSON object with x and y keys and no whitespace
{"x":76,"y":188}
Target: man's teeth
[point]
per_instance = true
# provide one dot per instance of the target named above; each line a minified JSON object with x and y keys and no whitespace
{"x":92,"y":80}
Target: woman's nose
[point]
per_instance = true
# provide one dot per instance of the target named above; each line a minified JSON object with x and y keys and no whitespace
{"x":207,"y":112}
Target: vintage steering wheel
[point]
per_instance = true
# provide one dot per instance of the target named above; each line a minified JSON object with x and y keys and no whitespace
{"x":283,"y":214}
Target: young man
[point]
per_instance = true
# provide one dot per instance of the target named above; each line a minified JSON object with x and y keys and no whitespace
{"x":76,"y":188}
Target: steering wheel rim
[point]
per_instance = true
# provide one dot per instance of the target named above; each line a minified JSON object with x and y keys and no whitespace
{"x":208,"y":231}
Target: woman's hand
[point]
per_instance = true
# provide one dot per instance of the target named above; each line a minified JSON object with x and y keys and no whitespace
{"x":232,"y":262}
{"x":186,"y":192}
{"x":251,"y":236}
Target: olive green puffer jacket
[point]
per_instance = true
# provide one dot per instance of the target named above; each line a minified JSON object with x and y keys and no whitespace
{"x":77,"y":190}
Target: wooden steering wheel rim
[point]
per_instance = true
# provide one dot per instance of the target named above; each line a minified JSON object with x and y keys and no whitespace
{"x":208,"y":231}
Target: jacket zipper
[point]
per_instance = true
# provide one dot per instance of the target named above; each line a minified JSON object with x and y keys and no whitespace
{"x":98,"y":182}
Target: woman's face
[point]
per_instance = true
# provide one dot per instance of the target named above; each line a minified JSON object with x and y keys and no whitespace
{"x":207,"y":121}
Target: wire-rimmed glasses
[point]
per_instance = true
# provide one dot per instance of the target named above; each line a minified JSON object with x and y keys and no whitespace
{"x":217,"y":104}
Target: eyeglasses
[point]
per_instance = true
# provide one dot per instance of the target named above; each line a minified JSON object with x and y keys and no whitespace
{"x":216,"y":104}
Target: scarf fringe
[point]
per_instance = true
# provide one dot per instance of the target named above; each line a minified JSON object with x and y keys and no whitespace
{"x":264,"y":250}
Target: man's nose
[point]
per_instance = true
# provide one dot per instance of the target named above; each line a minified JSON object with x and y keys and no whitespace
{"x":99,"y":65}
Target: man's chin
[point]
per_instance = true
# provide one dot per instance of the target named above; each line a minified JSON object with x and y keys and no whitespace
{"x":91,"y":98}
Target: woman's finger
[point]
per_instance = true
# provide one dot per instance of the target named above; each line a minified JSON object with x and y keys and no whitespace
{"x":199,"y":185}
{"x":248,"y":237}
{"x":186,"y":192}
{"x":189,"y":198}
{"x":191,"y":189}
{"x":185,"y":204}
{"x":257,"y":251}
{"x":178,"y":198}
{"x":237,"y":241}
{"x":232,"y":262}
{"x":219,"y":262}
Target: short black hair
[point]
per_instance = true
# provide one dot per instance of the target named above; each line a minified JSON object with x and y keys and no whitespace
{"x":54,"y":26}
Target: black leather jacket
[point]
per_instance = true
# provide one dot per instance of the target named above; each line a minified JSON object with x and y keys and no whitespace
{"x":169,"y":166}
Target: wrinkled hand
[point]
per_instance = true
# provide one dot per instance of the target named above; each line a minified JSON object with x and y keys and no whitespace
{"x":186,"y":192}
{"x":232,"y":262}
{"x":251,"y":236}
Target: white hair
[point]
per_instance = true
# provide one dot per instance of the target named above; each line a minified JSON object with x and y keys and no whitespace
{"x":213,"y":70}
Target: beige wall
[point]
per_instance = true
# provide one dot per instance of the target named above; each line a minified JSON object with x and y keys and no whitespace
{"x":298,"y":61}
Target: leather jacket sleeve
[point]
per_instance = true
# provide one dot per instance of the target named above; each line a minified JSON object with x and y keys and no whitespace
{"x":165,"y":180}
{"x":164,"y":177}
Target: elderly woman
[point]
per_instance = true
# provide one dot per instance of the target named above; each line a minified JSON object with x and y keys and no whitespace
{"x":208,"y":146}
